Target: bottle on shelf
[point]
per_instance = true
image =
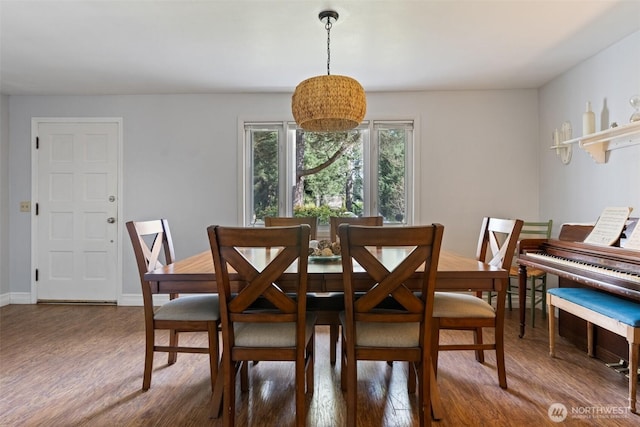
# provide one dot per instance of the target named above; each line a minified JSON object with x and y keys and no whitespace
{"x":588,"y":121}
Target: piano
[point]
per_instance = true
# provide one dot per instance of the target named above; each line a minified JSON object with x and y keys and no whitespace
{"x":610,"y":269}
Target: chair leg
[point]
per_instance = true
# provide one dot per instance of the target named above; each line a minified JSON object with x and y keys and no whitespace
{"x":173,"y":342}
{"x":352,"y":390}
{"x":244,"y":376}
{"x":300,"y":370}
{"x":334,"y":335}
{"x":477,"y":339}
{"x":148,"y":358}
{"x":435,"y":344}
{"x":411,"y":377}
{"x":213,"y":353}
{"x":311,"y":356}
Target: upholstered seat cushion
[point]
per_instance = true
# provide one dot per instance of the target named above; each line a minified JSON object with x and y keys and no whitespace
{"x":453,"y":304}
{"x":274,"y":334}
{"x":192,"y":307}
{"x":385,"y":334}
{"x":625,"y":311}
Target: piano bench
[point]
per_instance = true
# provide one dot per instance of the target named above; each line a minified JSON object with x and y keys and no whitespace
{"x":615,"y":314}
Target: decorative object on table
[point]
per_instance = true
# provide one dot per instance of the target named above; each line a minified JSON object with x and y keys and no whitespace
{"x":324,"y":251}
{"x":330,"y":103}
{"x":635,"y":103}
{"x":588,"y":121}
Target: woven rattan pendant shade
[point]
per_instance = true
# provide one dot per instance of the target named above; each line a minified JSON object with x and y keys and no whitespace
{"x":329,"y":103}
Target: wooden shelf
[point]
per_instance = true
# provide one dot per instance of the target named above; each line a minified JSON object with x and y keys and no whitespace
{"x":597,"y":144}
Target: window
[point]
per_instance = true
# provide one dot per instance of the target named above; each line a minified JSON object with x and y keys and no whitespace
{"x":363,"y":172}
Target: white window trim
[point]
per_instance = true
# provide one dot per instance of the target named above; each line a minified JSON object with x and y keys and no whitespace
{"x":413,"y":172}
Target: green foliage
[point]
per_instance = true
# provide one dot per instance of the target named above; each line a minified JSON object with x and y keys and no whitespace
{"x":329,"y":174}
{"x":265,"y":173}
{"x":391,"y":175}
{"x":322,"y":212}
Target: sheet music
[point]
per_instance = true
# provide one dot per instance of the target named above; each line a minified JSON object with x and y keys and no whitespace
{"x":609,"y":226}
{"x":633,"y":241}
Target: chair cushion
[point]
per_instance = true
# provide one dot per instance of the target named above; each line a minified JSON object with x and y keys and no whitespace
{"x":192,"y":307}
{"x":514,"y":271}
{"x":453,"y":304}
{"x":382,"y":334}
{"x":270,"y":334}
{"x":624,"y":311}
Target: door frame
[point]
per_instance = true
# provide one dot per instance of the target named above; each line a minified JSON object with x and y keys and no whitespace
{"x":35,"y":122}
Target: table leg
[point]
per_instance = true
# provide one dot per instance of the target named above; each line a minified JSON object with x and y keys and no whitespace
{"x":522,"y":296}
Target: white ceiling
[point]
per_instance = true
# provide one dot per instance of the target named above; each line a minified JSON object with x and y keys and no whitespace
{"x":171,"y":46}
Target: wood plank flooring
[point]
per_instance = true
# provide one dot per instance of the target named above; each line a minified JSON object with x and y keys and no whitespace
{"x":82,"y":366}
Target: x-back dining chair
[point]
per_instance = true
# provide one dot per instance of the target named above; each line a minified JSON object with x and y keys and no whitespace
{"x":263,"y":310}
{"x":151,"y":242}
{"x":374,"y":333}
{"x":462,"y":311}
{"x":284,"y":221}
{"x":537,"y":278}
{"x":327,"y":306}
{"x":335,"y":221}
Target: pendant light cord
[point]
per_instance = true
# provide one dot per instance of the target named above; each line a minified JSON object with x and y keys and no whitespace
{"x":328,"y":26}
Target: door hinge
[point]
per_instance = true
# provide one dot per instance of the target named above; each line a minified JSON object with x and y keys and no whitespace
{"x":37,"y":142}
{"x":37,"y":208}
{"x":37,"y":274}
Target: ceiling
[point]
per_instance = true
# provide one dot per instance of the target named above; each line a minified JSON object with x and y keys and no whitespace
{"x":94,"y":47}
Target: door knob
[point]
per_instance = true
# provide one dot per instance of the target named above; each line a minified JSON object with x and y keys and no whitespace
{"x":111,"y":220}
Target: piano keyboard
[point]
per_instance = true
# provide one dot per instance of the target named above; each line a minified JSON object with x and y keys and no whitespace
{"x":632,"y":277}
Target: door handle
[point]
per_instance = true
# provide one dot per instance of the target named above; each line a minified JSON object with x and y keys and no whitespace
{"x":111,"y":220}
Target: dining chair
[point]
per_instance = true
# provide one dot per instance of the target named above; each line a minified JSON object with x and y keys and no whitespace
{"x":464,"y":311}
{"x":329,"y":305}
{"x":537,"y":278}
{"x":283,"y":221}
{"x":371,"y":330}
{"x":263,"y":307}
{"x":335,"y":221}
{"x":151,"y":242}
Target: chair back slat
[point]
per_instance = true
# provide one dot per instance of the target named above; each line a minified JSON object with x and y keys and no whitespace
{"x":366,"y":246}
{"x":286,"y":246}
{"x":335,"y":221}
{"x":282,"y":221}
{"x":498,"y":241}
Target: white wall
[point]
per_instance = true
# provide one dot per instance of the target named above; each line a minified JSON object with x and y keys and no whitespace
{"x":180,"y":160}
{"x":4,"y":200}
{"x":578,"y":192}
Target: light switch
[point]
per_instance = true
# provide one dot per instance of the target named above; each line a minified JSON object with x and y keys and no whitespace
{"x":25,"y":206}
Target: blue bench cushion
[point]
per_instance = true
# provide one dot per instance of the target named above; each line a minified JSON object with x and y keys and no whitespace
{"x":624,"y":311}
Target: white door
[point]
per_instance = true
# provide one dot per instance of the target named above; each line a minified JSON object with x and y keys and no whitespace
{"x":76,"y":210}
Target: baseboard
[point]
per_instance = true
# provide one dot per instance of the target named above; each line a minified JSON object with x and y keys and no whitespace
{"x":125,"y":300}
{"x":15,"y":298}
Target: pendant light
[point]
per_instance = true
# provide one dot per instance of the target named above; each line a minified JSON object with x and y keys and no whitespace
{"x":330,"y":103}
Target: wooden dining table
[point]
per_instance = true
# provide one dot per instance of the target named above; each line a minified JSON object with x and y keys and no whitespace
{"x":196,"y":274}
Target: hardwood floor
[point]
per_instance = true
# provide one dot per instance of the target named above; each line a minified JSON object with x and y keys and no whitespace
{"x":82,"y":366}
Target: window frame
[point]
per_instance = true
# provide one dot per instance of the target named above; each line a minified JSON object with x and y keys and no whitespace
{"x":286,"y":159}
